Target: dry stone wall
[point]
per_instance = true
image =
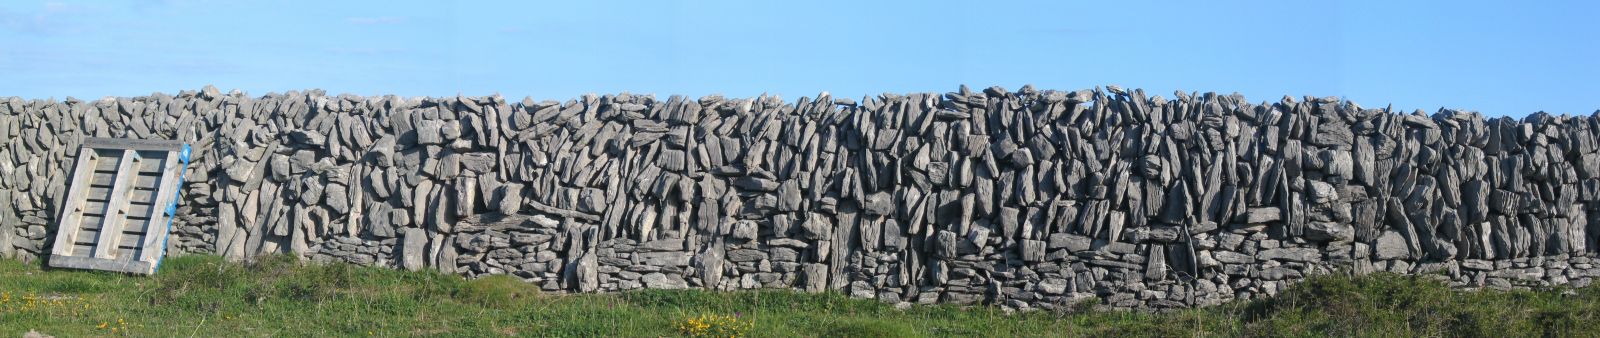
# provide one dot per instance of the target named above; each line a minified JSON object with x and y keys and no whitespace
{"x":1025,"y":199}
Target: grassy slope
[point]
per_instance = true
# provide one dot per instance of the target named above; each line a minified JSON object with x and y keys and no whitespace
{"x":203,"y":296}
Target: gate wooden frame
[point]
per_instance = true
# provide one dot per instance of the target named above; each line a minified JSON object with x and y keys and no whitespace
{"x":118,"y":211}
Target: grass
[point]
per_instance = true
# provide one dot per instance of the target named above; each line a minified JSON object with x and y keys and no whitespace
{"x":204,"y":296}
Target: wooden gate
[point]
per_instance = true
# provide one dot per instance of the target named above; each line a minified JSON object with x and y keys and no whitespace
{"x":118,"y":210}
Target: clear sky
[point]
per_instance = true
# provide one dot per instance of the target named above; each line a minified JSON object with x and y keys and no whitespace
{"x":1502,"y":58}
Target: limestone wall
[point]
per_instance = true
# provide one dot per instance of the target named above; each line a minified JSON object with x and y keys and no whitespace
{"x":1026,"y":199}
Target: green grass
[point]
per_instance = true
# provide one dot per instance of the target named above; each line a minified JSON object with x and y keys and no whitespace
{"x":204,"y":296}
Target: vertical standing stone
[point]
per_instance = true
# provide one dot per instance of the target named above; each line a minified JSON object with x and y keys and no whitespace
{"x":413,"y":245}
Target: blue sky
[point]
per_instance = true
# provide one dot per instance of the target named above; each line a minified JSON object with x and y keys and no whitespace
{"x":1497,"y":57}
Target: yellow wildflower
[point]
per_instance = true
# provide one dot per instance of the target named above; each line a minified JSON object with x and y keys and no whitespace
{"x":714,"y":325}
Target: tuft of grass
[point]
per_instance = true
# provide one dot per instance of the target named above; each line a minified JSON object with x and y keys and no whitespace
{"x":283,"y":296}
{"x":870,"y":328}
{"x":496,"y":291}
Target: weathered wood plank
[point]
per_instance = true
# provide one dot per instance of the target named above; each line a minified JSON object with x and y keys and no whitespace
{"x":86,"y":235}
{"x":132,"y":144}
{"x":139,"y":211}
{"x":104,"y":166}
{"x":102,"y":195}
{"x":146,"y":182}
{"x":132,"y":241}
{"x":74,"y":262}
{"x":79,"y":250}
{"x":89,"y":222}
